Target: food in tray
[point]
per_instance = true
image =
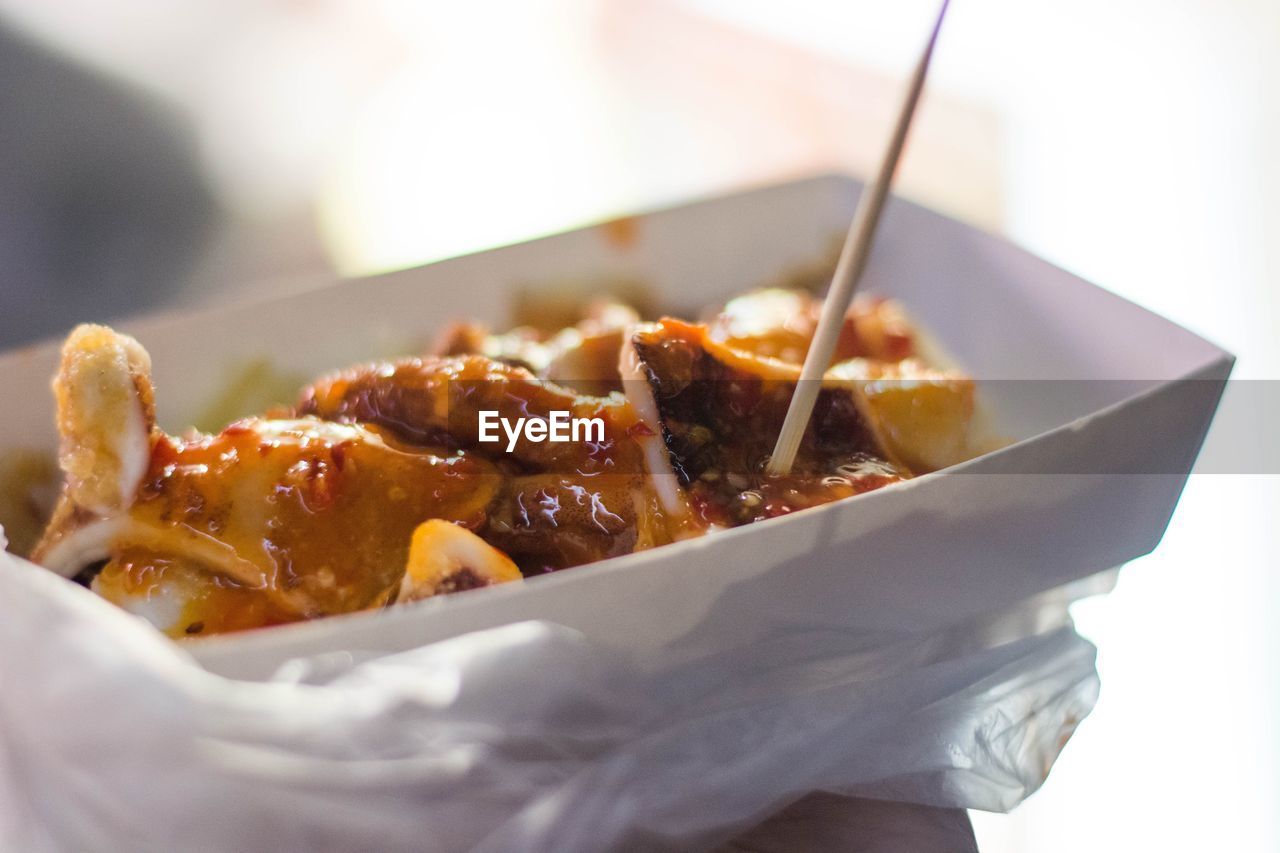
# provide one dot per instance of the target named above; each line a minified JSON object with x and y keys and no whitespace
{"x":380,"y":486}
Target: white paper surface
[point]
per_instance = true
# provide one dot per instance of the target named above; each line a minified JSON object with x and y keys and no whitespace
{"x":523,"y":737}
{"x":671,"y":699}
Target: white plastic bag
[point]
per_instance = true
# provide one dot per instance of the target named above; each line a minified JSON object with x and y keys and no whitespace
{"x":523,"y":737}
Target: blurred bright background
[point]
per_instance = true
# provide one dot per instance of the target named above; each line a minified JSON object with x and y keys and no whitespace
{"x":160,"y":154}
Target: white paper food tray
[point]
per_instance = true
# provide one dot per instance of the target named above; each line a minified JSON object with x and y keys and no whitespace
{"x":1109,"y":404}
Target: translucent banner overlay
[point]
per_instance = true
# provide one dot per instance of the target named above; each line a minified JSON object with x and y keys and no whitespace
{"x":729,"y":425}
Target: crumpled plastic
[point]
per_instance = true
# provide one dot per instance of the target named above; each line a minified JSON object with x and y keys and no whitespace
{"x":524,"y":737}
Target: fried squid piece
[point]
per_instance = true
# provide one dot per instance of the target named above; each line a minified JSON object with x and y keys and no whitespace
{"x":778,"y":323}
{"x":926,"y":414}
{"x":925,"y":411}
{"x":561,"y":504}
{"x":582,"y":357}
{"x":445,"y":558}
{"x":268,"y":521}
{"x":106,"y":416}
{"x":718,"y":411}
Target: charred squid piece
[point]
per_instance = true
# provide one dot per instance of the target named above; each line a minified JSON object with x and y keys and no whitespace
{"x":718,"y":411}
{"x":431,"y":401}
{"x":779,"y":323}
{"x":548,"y":522}
{"x":561,"y":504}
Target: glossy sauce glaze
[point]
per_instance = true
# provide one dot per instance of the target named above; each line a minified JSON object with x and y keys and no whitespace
{"x":559,"y":504}
{"x":312,"y":517}
{"x":376,"y":488}
{"x":720,"y":414}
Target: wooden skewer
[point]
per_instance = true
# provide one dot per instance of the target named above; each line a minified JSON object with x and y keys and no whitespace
{"x":853,"y":259}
